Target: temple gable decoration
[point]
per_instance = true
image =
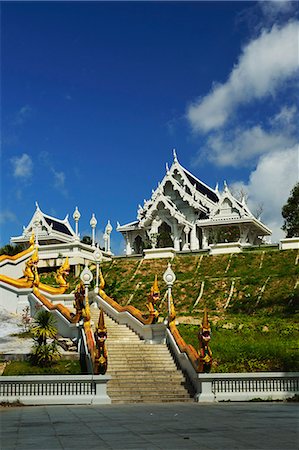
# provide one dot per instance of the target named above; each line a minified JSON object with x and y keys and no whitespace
{"x":47,"y":229}
{"x":186,"y":214}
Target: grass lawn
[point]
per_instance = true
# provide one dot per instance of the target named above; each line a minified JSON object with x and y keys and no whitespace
{"x":250,"y":344}
{"x":62,"y":367}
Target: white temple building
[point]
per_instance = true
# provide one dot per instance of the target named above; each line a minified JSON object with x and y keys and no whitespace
{"x":186,"y":214}
{"x":57,"y":239}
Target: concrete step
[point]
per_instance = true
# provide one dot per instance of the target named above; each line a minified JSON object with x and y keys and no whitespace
{"x":141,"y":372}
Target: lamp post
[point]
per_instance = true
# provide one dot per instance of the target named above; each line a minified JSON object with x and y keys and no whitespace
{"x":98,"y":256}
{"x":169,"y":278}
{"x":108,"y":231}
{"x":93,"y":223}
{"x":76,"y":217}
{"x":86,"y":278}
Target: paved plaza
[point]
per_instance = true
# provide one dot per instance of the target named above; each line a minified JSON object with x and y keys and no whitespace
{"x":152,"y":426}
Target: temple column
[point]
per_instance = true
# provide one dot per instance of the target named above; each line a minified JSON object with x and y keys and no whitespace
{"x":186,"y":231}
{"x":244,"y":231}
{"x":176,"y":237}
{"x":194,"y":242}
{"x":128,"y":246}
{"x":205,"y":238}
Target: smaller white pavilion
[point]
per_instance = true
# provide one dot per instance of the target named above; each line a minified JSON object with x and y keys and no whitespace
{"x":57,"y":239}
{"x":185,"y":214}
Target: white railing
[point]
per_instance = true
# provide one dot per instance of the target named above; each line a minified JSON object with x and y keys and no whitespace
{"x":154,"y":333}
{"x":247,"y":386}
{"x":215,"y":387}
{"x":55,"y":389}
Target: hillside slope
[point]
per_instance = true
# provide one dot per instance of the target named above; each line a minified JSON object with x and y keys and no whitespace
{"x":265,"y":280}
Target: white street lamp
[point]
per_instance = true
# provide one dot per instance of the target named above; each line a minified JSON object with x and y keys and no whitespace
{"x":108,"y":231}
{"x":93,"y":223}
{"x":98,"y":256}
{"x":76,"y":217}
{"x":169,"y":278}
{"x":86,"y":278}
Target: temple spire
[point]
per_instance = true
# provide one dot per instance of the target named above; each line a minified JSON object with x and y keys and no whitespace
{"x":175,"y":158}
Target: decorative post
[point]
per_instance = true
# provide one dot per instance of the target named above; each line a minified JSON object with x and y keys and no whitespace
{"x":108,"y":231}
{"x":76,"y":217}
{"x":86,"y":278}
{"x":98,"y":256}
{"x":93,"y":223}
{"x":169,"y":278}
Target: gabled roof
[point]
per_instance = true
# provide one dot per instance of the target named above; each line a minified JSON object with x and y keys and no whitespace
{"x":58,"y":225}
{"x":201,"y":187}
{"x":57,"y":229}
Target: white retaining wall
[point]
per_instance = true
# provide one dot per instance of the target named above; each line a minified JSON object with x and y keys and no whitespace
{"x":55,"y":390}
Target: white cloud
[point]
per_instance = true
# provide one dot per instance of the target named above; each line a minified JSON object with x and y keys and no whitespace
{"x":277,"y":7}
{"x":22,"y":115}
{"x":7,"y":216}
{"x":270,"y":184}
{"x":265,"y":63}
{"x":22,"y":166}
{"x":241,"y":146}
{"x":59,"y":176}
{"x":285,"y":117}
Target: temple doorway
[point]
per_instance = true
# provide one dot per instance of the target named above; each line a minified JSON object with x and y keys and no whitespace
{"x":164,"y":236}
{"x":138,"y":245}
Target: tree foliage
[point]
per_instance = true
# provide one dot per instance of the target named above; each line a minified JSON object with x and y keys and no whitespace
{"x":290,"y":213}
{"x":12,"y":250}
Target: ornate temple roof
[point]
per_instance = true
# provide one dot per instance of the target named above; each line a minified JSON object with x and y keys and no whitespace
{"x":48,"y":229}
{"x":180,"y":193}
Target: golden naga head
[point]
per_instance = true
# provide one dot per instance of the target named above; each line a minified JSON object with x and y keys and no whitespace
{"x":205,"y":329}
{"x":65,"y":268}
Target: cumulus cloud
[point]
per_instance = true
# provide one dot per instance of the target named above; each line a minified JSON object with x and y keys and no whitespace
{"x":272,"y":9}
{"x":240,"y":147}
{"x":270,"y":184}
{"x":22,"y":166}
{"x":266,"y":62}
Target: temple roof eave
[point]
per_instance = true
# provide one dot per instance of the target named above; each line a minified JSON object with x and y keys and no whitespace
{"x":128,"y":226}
{"x":235,"y":221}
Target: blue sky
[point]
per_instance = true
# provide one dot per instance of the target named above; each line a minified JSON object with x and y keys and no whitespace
{"x":95,"y":95}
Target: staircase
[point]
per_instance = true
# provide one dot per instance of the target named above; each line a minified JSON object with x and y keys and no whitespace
{"x":140,"y":372}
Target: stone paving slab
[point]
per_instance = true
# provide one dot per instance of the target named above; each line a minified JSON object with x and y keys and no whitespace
{"x":176,"y":426}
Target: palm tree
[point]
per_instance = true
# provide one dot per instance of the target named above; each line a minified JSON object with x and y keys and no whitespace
{"x":44,"y":353}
